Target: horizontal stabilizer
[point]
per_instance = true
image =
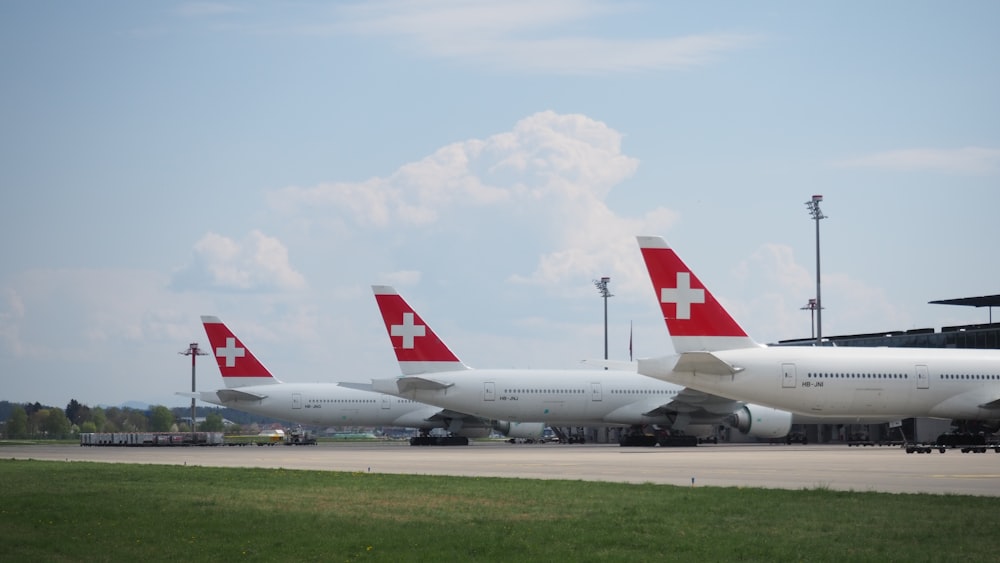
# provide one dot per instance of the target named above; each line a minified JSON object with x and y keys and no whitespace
{"x":406,"y":384}
{"x":705,"y":363}
{"x":230,"y":395}
{"x":411,"y":383}
{"x":220,"y":396}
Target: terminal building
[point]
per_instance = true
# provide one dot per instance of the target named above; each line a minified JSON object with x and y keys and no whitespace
{"x":982,"y":336}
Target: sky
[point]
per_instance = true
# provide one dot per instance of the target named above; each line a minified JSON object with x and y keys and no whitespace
{"x":267,"y":162}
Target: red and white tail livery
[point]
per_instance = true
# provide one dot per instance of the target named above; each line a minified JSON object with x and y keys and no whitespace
{"x":565,"y":397}
{"x":250,"y":387}
{"x":697,"y":322}
{"x":717,"y":357}
{"x":239,"y":367}
{"x":417,"y":348}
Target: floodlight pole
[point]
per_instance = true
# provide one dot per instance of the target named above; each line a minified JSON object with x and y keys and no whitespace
{"x":194,"y":351}
{"x":811,"y":307}
{"x":817,"y":214}
{"x":602,"y":288}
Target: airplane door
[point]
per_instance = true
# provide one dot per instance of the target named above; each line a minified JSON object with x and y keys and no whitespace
{"x":788,"y":376}
{"x":595,"y":392}
{"x":296,"y":400}
{"x":923,"y":377}
{"x":489,"y":391}
{"x":386,"y":402}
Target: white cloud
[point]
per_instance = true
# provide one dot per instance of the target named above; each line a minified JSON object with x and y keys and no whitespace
{"x":546,"y":179}
{"x":63,"y":313}
{"x":547,"y":158}
{"x":259,"y":262}
{"x":531,"y":36}
{"x":851,"y":306}
{"x":772,"y":287}
{"x":968,"y":160}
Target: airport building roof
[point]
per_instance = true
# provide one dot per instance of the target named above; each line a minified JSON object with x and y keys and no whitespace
{"x":983,"y":301}
{"x":963,"y":336}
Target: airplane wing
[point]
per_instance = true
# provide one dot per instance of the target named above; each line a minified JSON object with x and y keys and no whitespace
{"x":690,"y":401}
{"x":994,"y":404}
{"x":444,"y":415}
{"x":452,"y":421}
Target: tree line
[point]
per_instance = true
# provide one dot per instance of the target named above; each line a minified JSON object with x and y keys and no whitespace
{"x":36,"y":421}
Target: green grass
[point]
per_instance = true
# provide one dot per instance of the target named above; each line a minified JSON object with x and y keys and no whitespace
{"x":78,"y":511}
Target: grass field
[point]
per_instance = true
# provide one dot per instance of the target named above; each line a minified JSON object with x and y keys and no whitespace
{"x":56,"y":511}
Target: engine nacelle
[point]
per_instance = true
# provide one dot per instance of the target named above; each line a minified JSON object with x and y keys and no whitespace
{"x":761,"y":422}
{"x":468,"y":429}
{"x":522,"y":430}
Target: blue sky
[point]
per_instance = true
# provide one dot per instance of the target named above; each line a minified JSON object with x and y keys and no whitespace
{"x":267,"y":162}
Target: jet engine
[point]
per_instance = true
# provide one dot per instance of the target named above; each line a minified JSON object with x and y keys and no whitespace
{"x":761,"y":422}
{"x":522,"y":430}
{"x":468,"y":429}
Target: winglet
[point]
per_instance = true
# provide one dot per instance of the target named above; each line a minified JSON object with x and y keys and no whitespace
{"x":239,"y":367}
{"x":418,"y":349}
{"x":695,"y":319}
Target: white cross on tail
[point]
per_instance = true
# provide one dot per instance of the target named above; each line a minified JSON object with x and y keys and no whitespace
{"x":408,"y":330}
{"x":230,"y":352}
{"x":683,"y":296}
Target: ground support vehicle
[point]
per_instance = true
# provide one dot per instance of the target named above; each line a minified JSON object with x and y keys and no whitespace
{"x":144,"y":439}
{"x":962,"y":441}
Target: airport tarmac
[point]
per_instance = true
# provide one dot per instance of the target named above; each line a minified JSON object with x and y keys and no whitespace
{"x":837,"y":467}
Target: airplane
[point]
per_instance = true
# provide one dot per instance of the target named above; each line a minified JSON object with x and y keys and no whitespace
{"x":250,"y":387}
{"x":715,"y":355}
{"x":433,"y":374}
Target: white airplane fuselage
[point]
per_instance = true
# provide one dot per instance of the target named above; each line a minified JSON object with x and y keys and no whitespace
{"x":325,"y":404}
{"x":557,"y":397}
{"x":888,"y":383}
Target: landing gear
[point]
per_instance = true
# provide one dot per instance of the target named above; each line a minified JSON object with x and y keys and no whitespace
{"x":677,"y":441}
{"x":637,"y":438}
{"x":564,"y":438}
{"x":425,"y":439}
{"x":637,"y":441}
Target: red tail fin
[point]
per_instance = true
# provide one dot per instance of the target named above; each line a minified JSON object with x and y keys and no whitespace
{"x":695,"y":320}
{"x":418,"y":349}
{"x":239,"y":367}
